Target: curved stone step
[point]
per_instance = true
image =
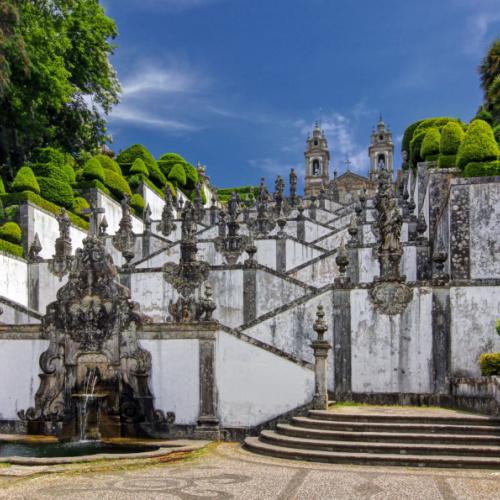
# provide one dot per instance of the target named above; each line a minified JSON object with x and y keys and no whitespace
{"x":382,"y":437}
{"x":441,"y":428}
{"x":254,"y":444}
{"x":277,"y":439}
{"x":455,"y":419}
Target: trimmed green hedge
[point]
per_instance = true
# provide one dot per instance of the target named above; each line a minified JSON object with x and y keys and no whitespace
{"x":490,"y":363}
{"x":52,"y":171}
{"x":137,"y":203}
{"x":430,"y":145}
{"x":407,"y":136}
{"x":93,"y":170}
{"x":11,"y":232}
{"x":447,"y":161}
{"x":415,"y":146}
{"x":25,"y":180}
{"x":127,"y":157}
{"x":85,"y":185}
{"x":49,"y":155}
{"x":139,"y":167}
{"x":177,"y":175}
{"x":167,"y":162}
{"x":2,"y":186}
{"x":482,"y":169}
{"x":108,"y":163}
{"x":479,"y":144}
{"x":80,"y":204}
{"x":452,"y":136}
{"x":116,"y":184}
{"x":496,"y":133}
{"x":16,"y":198}
{"x":56,"y":191}
{"x":13,"y":249}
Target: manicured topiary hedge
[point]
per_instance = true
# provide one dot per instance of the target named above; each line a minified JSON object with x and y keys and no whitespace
{"x":116,"y":184}
{"x":80,"y":204}
{"x":56,"y":191}
{"x":127,"y":157}
{"x":407,"y":136}
{"x":52,"y":171}
{"x":93,"y":170}
{"x":25,"y":180}
{"x":447,"y":161}
{"x":11,"y":232}
{"x":85,"y":185}
{"x":177,"y":175}
{"x":13,"y":249}
{"x":482,"y":169}
{"x":139,"y":167}
{"x":478,"y":145}
{"x":167,"y":162}
{"x":49,"y":155}
{"x":108,"y":163}
{"x":429,"y":150}
{"x":415,"y":147}
{"x":137,"y":203}
{"x":490,"y":363}
{"x":452,"y":136}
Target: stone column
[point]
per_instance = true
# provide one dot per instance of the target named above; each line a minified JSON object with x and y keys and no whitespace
{"x":320,"y":347}
{"x":342,"y":343}
{"x":441,"y":339}
{"x":249,"y":294}
{"x":281,"y":254}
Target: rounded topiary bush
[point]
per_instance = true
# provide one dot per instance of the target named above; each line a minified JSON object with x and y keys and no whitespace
{"x":25,"y":180}
{"x":168,"y":160}
{"x":490,"y":363}
{"x":429,"y":150}
{"x":117,"y":184}
{"x":11,"y":232}
{"x":137,"y":203}
{"x":478,"y":145}
{"x":127,"y":157}
{"x":452,"y":135}
{"x":415,"y":146}
{"x":62,"y":173}
{"x":93,"y":170}
{"x":49,"y":155}
{"x":80,"y":204}
{"x":139,"y":167}
{"x":108,"y":163}
{"x":482,"y":169}
{"x":56,"y":191}
{"x":191,"y":176}
{"x":177,"y":175}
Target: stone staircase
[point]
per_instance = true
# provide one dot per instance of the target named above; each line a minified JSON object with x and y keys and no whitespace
{"x":444,"y":439}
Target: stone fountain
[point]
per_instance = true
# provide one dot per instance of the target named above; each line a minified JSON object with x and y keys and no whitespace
{"x":95,"y":376}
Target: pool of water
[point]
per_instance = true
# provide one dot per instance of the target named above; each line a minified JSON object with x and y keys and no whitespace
{"x":70,"y":449}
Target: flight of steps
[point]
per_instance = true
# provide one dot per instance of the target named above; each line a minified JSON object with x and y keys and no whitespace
{"x":455,"y":440}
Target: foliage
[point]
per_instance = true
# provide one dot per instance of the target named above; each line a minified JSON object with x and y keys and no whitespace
{"x":2,"y":186}
{"x":12,"y":248}
{"x":16,"y":198}
{"x":139,"y":167}
{"x":137,"y":203}
{"x":25,"y":180}
{"x":177,"y":175}
{"x":56,"y":191}
{"x":93,"y":170}
{"x":490,"y":363}
{"x":430,"y":144}
{"x":407,"y":136}
{"x":452,"y":135}
{"x":54,"y":55}
{"x":484,"y":114}
{"x":496,"y":132}
{"x":497,"y":326}
{"x":85,"y":185}
{"x":191,"y":176}
{"x":49,"y":155}
{"x":489,"y":71}
{"x":116,"y":184}
{"x":478,"y":145}
{"x":80,"y":204}
{"x":203,"y":196}
{"x":108,"y":163}
{"x":415,"y":146}
{"x":168,"y":160}
{"x":127,"y":157}
{"x":447,"y":161}
{"x":11,"y":232}
{"x":482,"y":169}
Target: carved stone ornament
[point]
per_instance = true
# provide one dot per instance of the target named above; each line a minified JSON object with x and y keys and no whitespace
{"x":62,"y":258}
{"x":124,"y":238}
{"x":391,"y":297}
{"x":167,"y":225}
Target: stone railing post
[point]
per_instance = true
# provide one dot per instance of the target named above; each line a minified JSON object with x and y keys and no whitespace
{"x":320,"y":347}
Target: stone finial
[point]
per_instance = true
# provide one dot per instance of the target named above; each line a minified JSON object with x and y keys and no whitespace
{"x":312,"y":208}
{"x":300,"y":209}
{"x":320,"y":348}
{"x":293,"y":187}
{"x":320,"y":326}
{"x":124,"y":239}
{"x":353,"y":231}
{"x":439,"y":257}
{"x":167,"y":225}
{"x":146,"y":219}
{"x":342,"y":261}
{"x":207,"y":305}
{"x":103,"y":227}
{"x":34,"y":250}
{"x":62,"y":258}
{"x":421,"y":225}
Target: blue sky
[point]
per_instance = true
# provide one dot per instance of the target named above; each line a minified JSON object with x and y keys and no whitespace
{"x":236,"y":84}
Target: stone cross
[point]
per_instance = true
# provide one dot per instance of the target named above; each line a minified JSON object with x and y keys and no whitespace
{"x":93,"y":213}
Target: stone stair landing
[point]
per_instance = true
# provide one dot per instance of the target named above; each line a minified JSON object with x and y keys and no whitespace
{"x":407,"y":436}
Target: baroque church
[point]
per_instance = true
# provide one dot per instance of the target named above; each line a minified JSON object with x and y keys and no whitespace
{"x":239,"y":321}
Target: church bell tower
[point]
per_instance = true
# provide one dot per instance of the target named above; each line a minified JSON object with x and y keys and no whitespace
{"x":317,"y":158}
{"x":381,"y":150}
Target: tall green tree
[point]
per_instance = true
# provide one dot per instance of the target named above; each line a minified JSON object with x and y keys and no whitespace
{"x":56,"y":81}
{"x":489,"y":71}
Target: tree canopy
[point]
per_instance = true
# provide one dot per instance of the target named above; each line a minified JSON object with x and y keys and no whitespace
{"x":56,"y":81}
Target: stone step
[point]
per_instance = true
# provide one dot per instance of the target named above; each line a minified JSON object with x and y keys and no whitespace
{"x":441,"y":428}
{"x":278,"y":439}
{"x":452,"y":418}
{"x":258,"y":446}
{"x":382,"y":437}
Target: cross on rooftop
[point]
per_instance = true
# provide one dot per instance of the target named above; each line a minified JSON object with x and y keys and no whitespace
{"x":347,"y":163}
{"x":93,"y":212}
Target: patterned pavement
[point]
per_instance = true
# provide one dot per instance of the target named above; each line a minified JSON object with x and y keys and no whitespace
{"x":228,"y":472}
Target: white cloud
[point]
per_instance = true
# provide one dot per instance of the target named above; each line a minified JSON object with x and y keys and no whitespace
{"x":271,"y":166}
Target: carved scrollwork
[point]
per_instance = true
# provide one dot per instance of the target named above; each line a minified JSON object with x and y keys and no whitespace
{"x":391,"y":297}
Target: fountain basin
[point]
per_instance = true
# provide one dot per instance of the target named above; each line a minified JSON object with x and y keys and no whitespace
{"x":30,"y":450}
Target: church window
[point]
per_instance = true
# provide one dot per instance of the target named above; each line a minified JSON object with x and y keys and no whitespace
{"x":381,"y":161}
{"x":315,"y":142}
{"x":315,"y":167}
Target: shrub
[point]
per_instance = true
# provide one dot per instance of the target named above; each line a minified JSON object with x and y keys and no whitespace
{"x":93,"y":170}
{"x":191,"y":176}
{"x":452,"y":135}
{"x":482,"y":169}
{"x":80,"y":204}
{"x":447,"y":161}
{"x":108,"y":163}
{"x":6,"y":246}
{"x":438,"y":122}
{"x":478,"y":145}
{"x":127,"y":157}
{"x":485,"y":115}
{"x":177,"y":175}
{"x":116,"y":184}
{"x":2,"y":186}
{"x":430,"y":145}
{"x":415,"y":145}
{"x":56,"y":191}
{"x":497,"y":326}
{"x":137,"y":203}
{"x":25,"y":180}
{"x":168,"y":160}
{"x":496,"y":132}
{"x":139,"y":167}
{"x":203,"y":196}
{"x":407,"y":137}
{"x":53,"y":172}
{"x":490,"y":363}
{"x":85,"y":185}
{"x":49,"y":155}
{"x":70,"y":172}
{"x":11,"y":232}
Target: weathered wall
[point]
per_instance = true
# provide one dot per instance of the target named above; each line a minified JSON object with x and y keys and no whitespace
{"x":255,"y":385}
{"x":14,"y":278}
{"x":113,"y":213}
{"x":154,"y":201}
{"x":298,"y":253}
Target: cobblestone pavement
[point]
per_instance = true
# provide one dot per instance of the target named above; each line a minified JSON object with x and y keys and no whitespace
{"x":230,"y":472}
